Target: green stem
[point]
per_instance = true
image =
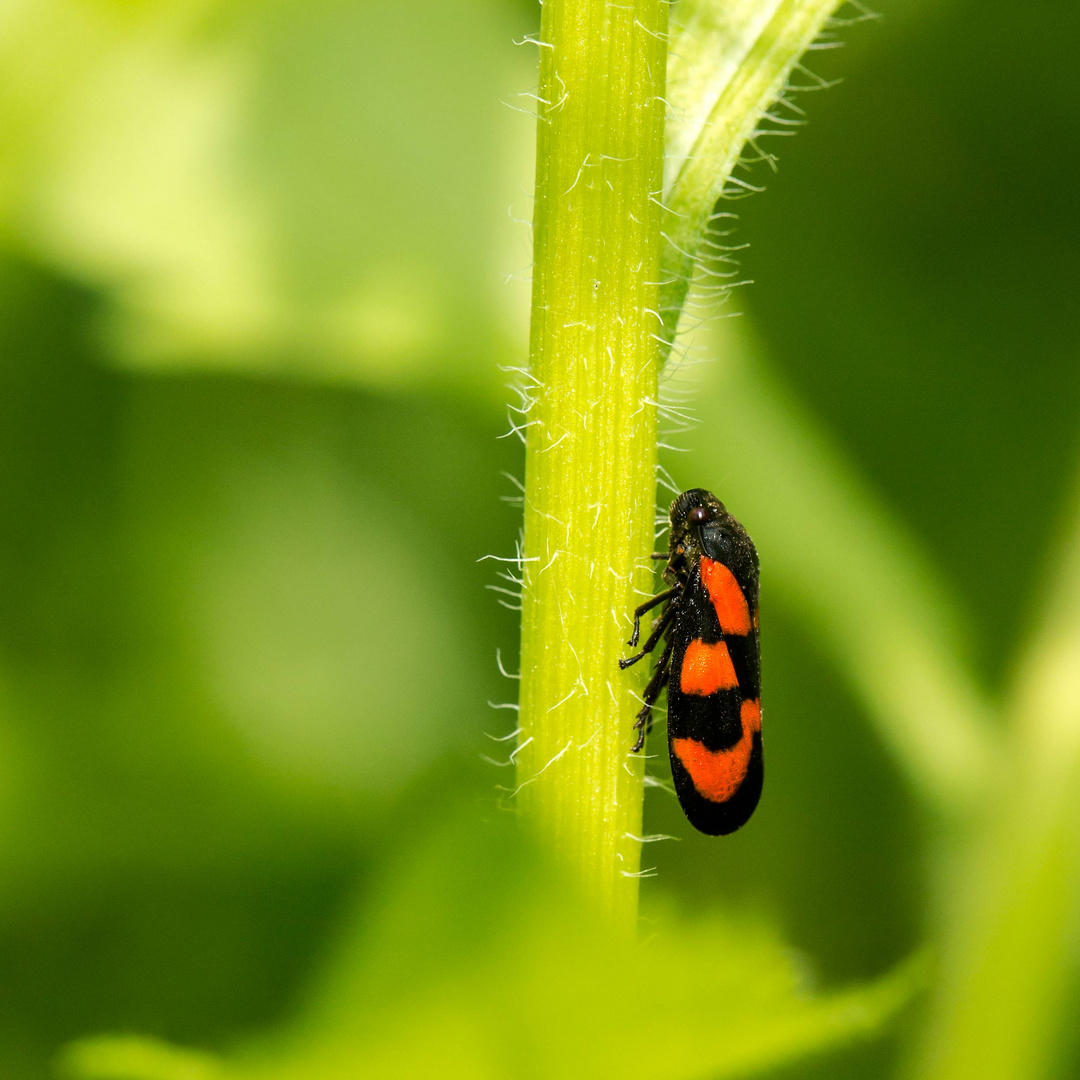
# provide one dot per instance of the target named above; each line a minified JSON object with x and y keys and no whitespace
{"x":590,"y":479}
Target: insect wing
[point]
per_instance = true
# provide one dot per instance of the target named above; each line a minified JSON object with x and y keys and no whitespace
{"x":714,"y":709}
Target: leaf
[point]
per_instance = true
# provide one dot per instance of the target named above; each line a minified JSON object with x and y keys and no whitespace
{"x":729,"y":62}
{"x":477,"y":962}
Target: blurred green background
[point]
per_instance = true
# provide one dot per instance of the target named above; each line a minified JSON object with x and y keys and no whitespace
{"x":257,"y":279}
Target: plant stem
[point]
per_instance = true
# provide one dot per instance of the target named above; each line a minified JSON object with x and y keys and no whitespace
{"x":590,"y":479}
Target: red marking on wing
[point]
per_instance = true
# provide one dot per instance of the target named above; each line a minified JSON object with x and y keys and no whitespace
{"x":750,"y":714}
{"x":726,"y":596}
{"x":706,"y":669}
{"x":718,"y":774}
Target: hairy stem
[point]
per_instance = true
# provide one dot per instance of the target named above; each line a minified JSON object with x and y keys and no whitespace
{"x":590,"y":477}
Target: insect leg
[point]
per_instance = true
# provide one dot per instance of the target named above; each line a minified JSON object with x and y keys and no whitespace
{"x":660,"y":555}
{"x":652,"y":692}
{"x":642,"y":608}
{"x":654,"y":637}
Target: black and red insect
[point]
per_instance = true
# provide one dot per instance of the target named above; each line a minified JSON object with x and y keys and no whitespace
{"x":711,"y":664}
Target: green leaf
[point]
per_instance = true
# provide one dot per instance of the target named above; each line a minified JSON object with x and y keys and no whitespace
{"x":477,"y":961}
{"x":729,"y":61}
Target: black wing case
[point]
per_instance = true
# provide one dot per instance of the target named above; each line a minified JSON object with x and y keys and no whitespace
{"x":714,"y":712}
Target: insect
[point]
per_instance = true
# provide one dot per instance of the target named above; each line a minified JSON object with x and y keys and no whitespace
{"x":711,"y":664}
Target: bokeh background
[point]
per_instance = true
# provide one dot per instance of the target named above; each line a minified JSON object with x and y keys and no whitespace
{"x":260,"y":264}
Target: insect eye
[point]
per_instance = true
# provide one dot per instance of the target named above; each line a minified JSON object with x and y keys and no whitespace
{"x":698,"y":516}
